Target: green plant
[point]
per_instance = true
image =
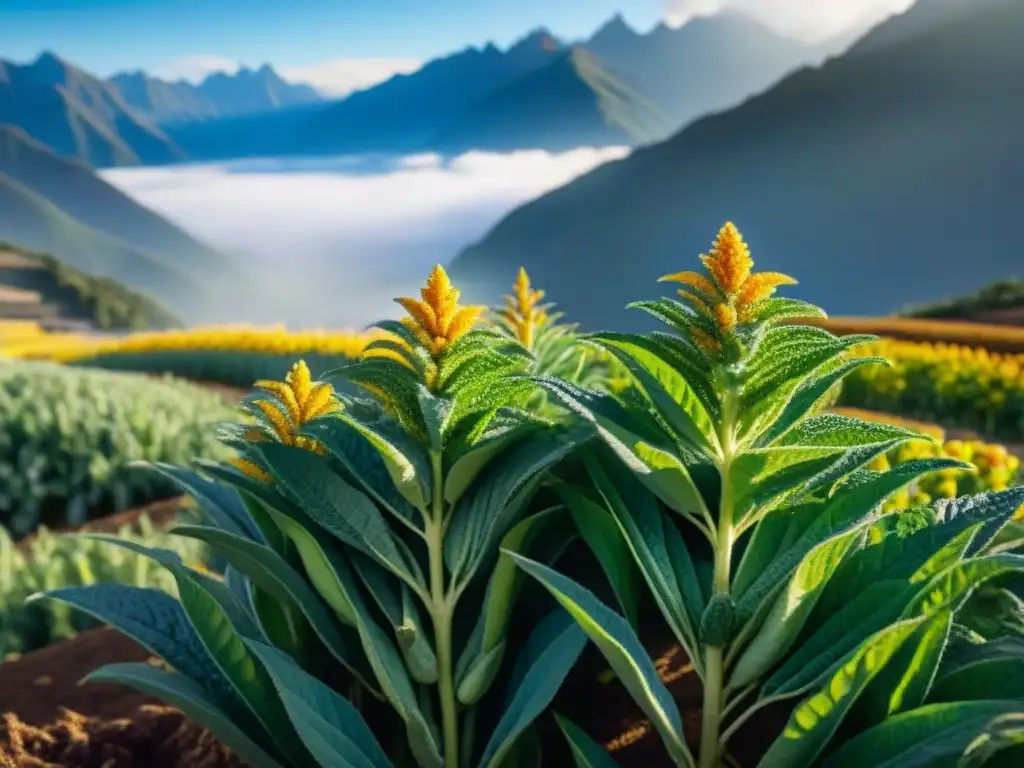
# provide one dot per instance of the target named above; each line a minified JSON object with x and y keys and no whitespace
{"x":762,"y":538}
{"x":67,"y":438}
{"x":50,"y":561}
{"x":362,"y":540}
{"x":554,"y":346}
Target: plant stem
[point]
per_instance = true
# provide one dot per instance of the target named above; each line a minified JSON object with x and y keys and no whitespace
{"x":442,"y":610}
{"x":714,"y":655}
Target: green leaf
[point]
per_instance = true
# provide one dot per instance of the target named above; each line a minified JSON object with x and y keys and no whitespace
{"x":545,"y":660}
{"x":223,"y":504}
{"x":406,"y":463}
{"x":491,"y":505}
{"x":330,"y":727}
{"x":808,"y":394}
{"x":657,"y":549}
{"x":605,"y":539}
{"x":654,"y":465}
{"x":623,"y":650}
{"x":154,"y":620}
{"x":666,"y":388}
{"x":937,"y":734}
{"x":996,"y":509}
{"x":997,"y":678}
{"x":274,"y":575}
{"x":772,"y":535}
{"x":192,"y":699}
{"x":335,"y":505}
{"x":382,"y":375}
{"x":586,"y":752}
{"x":790,"y":610}
{"x":468,"y":466}
{"x":365,"y":464}
{"x":816,"y":719}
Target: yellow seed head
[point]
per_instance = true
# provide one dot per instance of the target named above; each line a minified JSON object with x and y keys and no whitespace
{"x":302,"y":399}
{"x":436,"y":318}
{"x":522,"y":311}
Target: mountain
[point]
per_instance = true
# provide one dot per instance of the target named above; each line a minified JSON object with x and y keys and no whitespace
{"x":34,"y":223}
{"x":889,"y":175}
{"x":81,"y":194}
{"x":401,"y":114}
{"x":706,"y":65}
{"x":572,"y":101}
{"x":244,"y":92}
{"x":78,"y":115}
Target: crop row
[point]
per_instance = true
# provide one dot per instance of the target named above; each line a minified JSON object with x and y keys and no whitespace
{"x":952,"y":385}
{"x":1006,"y":339}
{"x":69,"y":435}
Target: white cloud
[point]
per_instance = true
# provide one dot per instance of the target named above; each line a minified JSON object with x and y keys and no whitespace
{"x":339,"y":77}
{"x":197,"y":66}
{"x":810,"y":19}
{"x":339,"y":238}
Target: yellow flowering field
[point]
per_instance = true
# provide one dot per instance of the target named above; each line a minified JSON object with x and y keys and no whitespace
{"x":231,"y":355}
{"x":995,"y":338}
{"x":960,"y":386}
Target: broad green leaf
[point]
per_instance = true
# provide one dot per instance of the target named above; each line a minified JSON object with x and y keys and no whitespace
{"x":330,"y":727}
{"x":335,"y":505}
{"x":669,"y":392}
{"x":623,"y":650}
{"x":937,"y":734}
{"x":997,"y":678}
{"x":996,"y":509}
{"x":367,"y":467}
{"x":192,"y":699}
{"x":772,"y":535}
{"x":491,"y":505}
{"x":809,"y":393}
{"x":434,"y":412}
{"x":783,"y":624}
{"x":545,"y":660}
{"x":844,"y":513}
{"x":586,"y":752}
{"x":469,"y":465}
{"x":953,"y":586}
{"x":272,"y":573}
{"x":154,"y":620}
{"x":405,"y":461}
{"x":388,"y":380}
{"x":605,"y":539}
{"x":816,"y":719}
{"x":222,"y":504}
{"x":656,"y":466}
{"x":674,"y":586}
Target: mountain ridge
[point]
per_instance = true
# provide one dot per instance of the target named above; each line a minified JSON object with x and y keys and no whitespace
{"x":850,"y":162}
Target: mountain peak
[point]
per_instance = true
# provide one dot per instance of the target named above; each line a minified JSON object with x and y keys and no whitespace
{"x":539,"y":39}
{"x":614,"y":32}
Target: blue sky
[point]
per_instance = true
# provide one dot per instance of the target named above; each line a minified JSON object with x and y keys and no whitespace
{"x":108,"y":35}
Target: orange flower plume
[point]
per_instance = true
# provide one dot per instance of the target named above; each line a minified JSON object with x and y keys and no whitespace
{"x":297,"y":400}
{"x":437,"y":319}
{"x":523,"y":312}
{"x":731,"y":293}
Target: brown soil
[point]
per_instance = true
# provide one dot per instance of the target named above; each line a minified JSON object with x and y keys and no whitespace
{"x":51,"y":721}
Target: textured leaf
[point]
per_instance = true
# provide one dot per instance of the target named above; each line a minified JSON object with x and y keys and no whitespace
{"x":335,"y":505}
{"x":330,"y":727}
{"x":365,"y":464}
{"x":469,"y":465}
{"x":605,"y":539}
{"x":996,"y":509}
{"x":997,"y":678}
{"x":586,"y":752}
{"x":544,"y":661}
{"x":937,"y":734}
{"x":672,"y":580}
{"x":669,"y":392}
{"x":222,"y":504}
{"x":817,"y":717}
{"x":192,"y":699}
{"x":273,"y":574}
{"x":623,"y":650}
{"x":489,"y":508}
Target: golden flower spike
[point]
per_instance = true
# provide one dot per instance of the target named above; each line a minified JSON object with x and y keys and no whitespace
{"x":298,"y":400}
{"x":523,"y":312}
{"x":437,"y":319}
{"x":731,"y":293}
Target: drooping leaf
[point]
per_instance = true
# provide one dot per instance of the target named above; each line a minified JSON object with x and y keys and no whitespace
{"x":330,"y":727}
{"x":192,"y":699}
{"x":545,"y":660}
{"x":586,"y":752}
{"x":623,"y":650}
